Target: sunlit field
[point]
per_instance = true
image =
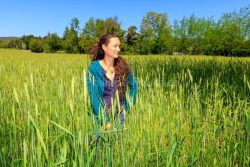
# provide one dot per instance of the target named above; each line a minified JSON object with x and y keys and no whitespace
{"x":190,"y":111}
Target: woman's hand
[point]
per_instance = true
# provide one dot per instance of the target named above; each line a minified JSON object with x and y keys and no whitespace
{"x":108,"y":126}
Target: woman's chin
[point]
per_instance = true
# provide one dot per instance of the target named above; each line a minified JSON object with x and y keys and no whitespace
{"x":116,"y":55}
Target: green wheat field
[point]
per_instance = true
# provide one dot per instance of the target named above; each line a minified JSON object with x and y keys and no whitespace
{"x":191,"y":111}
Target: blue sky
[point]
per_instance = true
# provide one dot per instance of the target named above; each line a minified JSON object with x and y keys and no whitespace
{"x":38,"y":17}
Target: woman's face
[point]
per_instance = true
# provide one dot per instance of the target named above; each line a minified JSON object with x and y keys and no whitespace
{"x":112,"y":49}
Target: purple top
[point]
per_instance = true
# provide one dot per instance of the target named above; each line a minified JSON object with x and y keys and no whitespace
{"x":109,"y":94}
{"x":109,"y":90}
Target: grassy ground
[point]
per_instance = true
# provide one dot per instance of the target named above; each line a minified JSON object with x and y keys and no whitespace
{"x":191,"y":111}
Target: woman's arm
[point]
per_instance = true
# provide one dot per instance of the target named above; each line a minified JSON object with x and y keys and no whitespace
{"x":133,"y":87}
{"x":95,"y":98}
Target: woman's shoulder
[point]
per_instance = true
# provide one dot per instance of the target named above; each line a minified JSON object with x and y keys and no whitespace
{"x":95,"y":67}
{"x":94,"y":64}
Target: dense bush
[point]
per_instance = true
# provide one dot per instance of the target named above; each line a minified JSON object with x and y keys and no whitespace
{"x":36,"y":45}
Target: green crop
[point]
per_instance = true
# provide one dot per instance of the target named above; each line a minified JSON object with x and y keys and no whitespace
{"x":191,"y":111}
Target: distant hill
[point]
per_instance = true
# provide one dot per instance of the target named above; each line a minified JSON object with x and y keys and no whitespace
{"x":8,"y":38}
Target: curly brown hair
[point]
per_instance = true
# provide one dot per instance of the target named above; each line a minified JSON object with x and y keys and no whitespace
{"x":121,"y":66}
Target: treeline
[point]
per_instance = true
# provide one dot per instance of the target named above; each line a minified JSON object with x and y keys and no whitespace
{"x":229,"y":36}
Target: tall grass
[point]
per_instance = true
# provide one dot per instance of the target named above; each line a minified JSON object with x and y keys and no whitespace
{"x":191,"y":111}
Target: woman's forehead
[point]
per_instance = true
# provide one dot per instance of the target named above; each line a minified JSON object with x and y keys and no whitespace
{"x":114,"y":40}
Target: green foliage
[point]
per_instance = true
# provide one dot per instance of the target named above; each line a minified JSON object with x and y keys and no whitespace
{"x":90,"y":29}
{"x":95,"y":28}
{"x":11,"y":44}
{"x":155,"y":34}
{"x":36,"y":45}
{"x":70,"y":37}
{"x":26,"y":39}
{"x":86,"y":43}
{"x":70,"y":41}
{"x":53,"y":43}
{"x":132,"y":40}
{"x":8,"y":42}
{"x":4,"y":44}
{"x":229,"y":36}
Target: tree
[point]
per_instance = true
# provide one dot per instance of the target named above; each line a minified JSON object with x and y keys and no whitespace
{"x":88,"y":36}
{"x":54,"y":43}
{"x":131,"y":35}
{"x":132,"y":39}
{"x":85,"y":43}
{"x":89,"y":29}
{"x":197,"y":29}
{"x":155,"y":34}
{"x":94,"y":29}
{"x":180,"y":33}
{"x":112,"y":26}
{"x":75,"y":25}
{"x":212,"y":40}
{"x":26,"y":41}
{"x":70,"y":37}
{"x":36,"y":45}
{"x":231,"y":33}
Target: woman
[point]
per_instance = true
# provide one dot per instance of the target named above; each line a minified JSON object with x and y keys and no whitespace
{"x":108,"y":78}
